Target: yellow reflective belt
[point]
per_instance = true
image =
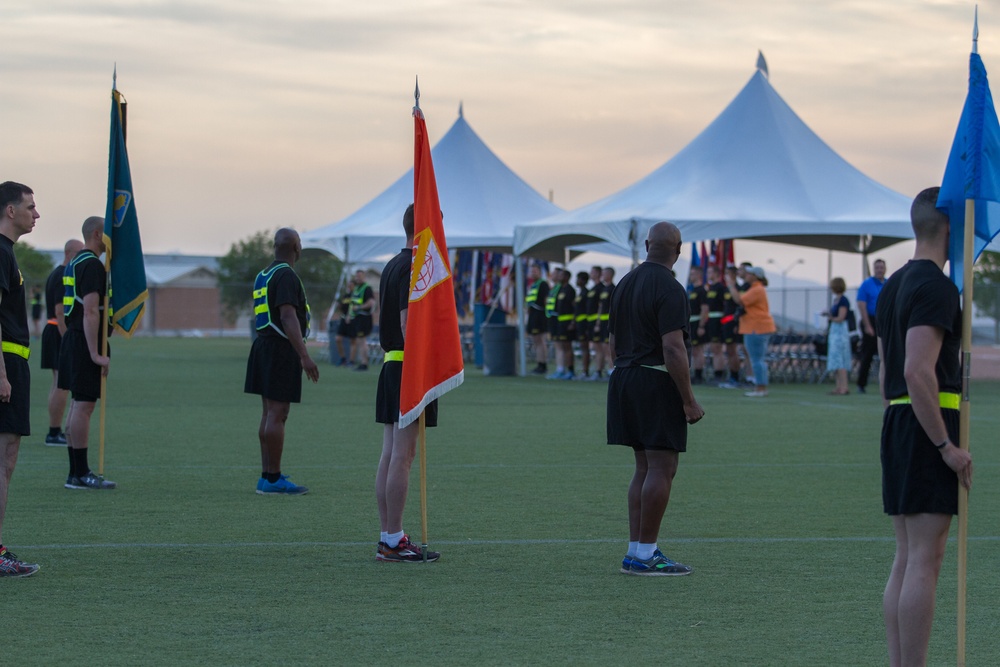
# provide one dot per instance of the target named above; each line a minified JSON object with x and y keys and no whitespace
{"x":394,"y":355}
{"x":946,"y":399}
{"x":14,"y":348}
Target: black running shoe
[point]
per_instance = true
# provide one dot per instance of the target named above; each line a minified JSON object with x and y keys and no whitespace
{"x":57,"y":440}
{"x":658,"y":566}
{"x":89,"y":481}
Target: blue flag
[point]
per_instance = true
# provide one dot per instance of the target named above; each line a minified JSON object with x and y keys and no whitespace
{"x":695,"y":260}
{"x":121,"y":233}
{"x":973,"y":171}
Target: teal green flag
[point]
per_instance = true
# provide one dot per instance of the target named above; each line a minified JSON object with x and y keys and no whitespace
{"x":121,"y":232}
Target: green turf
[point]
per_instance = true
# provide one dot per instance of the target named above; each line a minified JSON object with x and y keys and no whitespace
{"x":777,"y":506}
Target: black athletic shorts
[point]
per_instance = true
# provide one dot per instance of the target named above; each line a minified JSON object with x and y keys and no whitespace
{"x":729,"y":333}
{"x":602,"y":332}
{"x":537,"y":322}
{"x":14,"y":416}
{"x":51,"y":341}
{"x":713,"y":330}
{"x":362,"y":325}
{"x":915,"y":479}
{"x":390,"y":379}
{"x":274,"y":370}
{"x":584,"y":330}
{"x":693,"y":332}
{"x":645,"y":410}
{"x":345,"y":328}
{"x":77,"y":373}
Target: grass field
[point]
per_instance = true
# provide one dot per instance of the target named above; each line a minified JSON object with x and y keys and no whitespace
{"x":777,"y":506}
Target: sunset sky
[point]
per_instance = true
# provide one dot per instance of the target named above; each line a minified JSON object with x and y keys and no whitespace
{"x":247,"y":115}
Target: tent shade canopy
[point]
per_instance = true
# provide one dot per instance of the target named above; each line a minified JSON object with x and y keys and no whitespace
{"x":757,"y":172}
{"x":481,"y":198}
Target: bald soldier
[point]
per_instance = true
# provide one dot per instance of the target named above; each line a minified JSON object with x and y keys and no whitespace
{"x":55,"y":328}
{"x":81,"y":364}
{"x":278,"y":357}
{"x":650,"y":400}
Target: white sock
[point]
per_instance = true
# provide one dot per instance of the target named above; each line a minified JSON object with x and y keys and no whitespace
{"x":383,"y":537}
{"x":633,"y":547}
{"x":645,"y":551}
{"x":392,"y":539}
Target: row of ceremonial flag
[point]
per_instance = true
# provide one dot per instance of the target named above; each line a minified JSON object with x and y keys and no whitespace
{"x":720,"y":254}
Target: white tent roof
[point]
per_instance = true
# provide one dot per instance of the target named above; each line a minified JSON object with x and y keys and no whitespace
{"x":482,"y":200}
{"x":756,"y":172}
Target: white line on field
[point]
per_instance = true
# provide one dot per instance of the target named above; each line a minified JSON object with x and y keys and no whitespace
{"x":471,"y":542}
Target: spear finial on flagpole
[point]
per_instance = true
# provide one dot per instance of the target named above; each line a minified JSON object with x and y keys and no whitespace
{"x":416,"y":98}
{"x":975,"y":31}
{"x":114,"y":78}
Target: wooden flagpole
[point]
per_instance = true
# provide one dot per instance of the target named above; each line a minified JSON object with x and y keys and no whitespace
{"x":964,"y":419}
{"x":102,"y":333}
{"x":422,"y":442}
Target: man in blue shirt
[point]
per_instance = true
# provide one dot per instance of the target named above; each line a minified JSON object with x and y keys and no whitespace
{"x":867,"y":299}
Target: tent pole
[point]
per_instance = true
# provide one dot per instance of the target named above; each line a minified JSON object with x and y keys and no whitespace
{"x":519,"y":304}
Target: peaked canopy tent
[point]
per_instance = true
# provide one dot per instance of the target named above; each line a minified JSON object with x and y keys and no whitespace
{"x":482,"y":201}
{"x":756,"y":172}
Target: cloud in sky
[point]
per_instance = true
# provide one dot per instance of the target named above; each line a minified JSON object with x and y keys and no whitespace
{"x":249,"y":115}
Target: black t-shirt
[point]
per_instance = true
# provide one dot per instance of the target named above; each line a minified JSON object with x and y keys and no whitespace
{"x":715,"y":297}
{"x":394,"y":296}
{"x":13,"y":311}
{"x":54,"y":292}
{"x":90,"y":278}
{"x":580,"y":304}
{"x":594,"y":299}
{"x":646,"y":304}
{"x":696,"y":297}
{"x":284,"y":288}
{"x":919,"y":294}
{"x":564,"y":300}
{"x":604,"y":293}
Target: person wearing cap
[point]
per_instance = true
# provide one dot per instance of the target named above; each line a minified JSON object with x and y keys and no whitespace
{"x":756,"y":324}
{"x":919,"y":327}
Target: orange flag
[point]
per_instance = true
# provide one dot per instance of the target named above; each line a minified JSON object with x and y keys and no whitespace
{"x":432,"y":351}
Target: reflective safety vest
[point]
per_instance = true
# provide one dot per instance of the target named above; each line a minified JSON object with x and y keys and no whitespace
{"x":70,"y":297}
{"x":531,"y":298}
{"x":550,"y":305}
{"x":358,"y":300}
{"x":261,"y":306}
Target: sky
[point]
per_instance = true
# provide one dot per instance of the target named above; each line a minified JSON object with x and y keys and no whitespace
{"x":246,"y":115}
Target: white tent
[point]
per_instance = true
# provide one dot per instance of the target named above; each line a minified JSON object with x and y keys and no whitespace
{"x":756,"y":172}
{"x":482,"y":200}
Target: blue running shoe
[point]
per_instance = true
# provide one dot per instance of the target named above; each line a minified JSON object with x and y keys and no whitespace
{"x":627,"y":564}
{"x":283,"y":486}
{"x":658,"y":566}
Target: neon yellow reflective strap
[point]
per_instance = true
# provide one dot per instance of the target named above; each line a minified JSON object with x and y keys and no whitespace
{"x":946,"y":399}
{"x":14,"y":348}
{"x":394,"y":355}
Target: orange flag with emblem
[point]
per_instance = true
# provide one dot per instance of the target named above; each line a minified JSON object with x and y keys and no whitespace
{"x":432,"y":349}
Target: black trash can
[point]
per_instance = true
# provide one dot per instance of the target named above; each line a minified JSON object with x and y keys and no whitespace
{"x":499,"y":345}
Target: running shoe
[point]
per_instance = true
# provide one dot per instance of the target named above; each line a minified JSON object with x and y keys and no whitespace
{"x":283,"y":486}
{"x":12,"y":566}
{"x":57,"y":440}
{"x":361,"y":367}
{"x":627,"y":564}
{"x":755,"y":394}
{"x":728,"y":384}
{"x":658,"y":566}
{"x":88,"y":481}
{"x":404,"y":552}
